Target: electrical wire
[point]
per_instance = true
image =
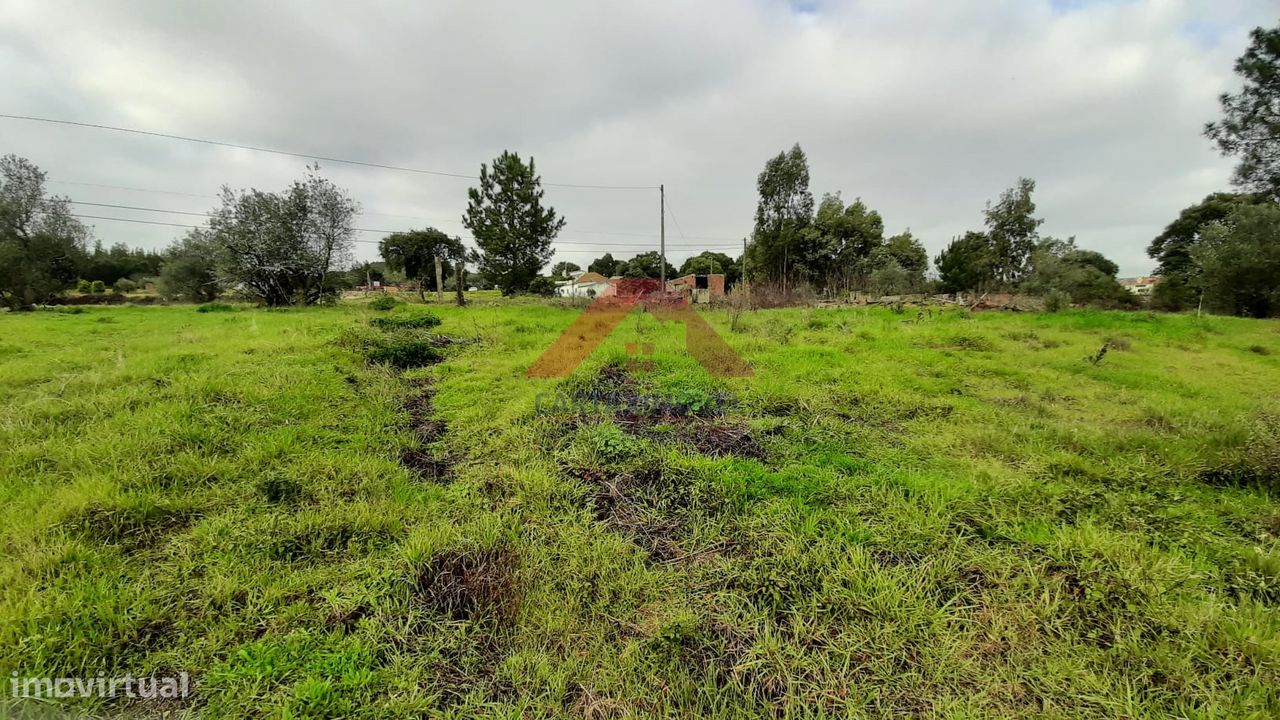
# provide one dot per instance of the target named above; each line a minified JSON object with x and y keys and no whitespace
{"x":288,"y":153}
{"x":589,"y":246}
{"x":616,"y":233}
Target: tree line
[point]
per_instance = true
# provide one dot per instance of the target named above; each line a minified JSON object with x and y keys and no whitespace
{"x":45,"y":249}
{"x":278,"y":248}
{"x":838,"y":247}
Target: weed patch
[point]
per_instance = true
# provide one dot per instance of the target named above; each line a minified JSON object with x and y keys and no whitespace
{"x":423,"y":321}
{"x":405,"y":352}
{"x":1257,"y":463}
{"x":693,"y":419}
{"x":131,"y":524}
{"x":383,"y":303}
{"x":643,"y":506}
{"x":969,"y":341}
{"x":400,"y":349}
{"x":478,"y":585}
{"x":326,"y":539}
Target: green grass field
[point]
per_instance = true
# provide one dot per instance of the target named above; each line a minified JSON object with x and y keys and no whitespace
{"x":937,"y":515}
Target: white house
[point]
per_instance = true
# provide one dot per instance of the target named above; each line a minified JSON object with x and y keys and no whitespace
{"x":583,"y":284}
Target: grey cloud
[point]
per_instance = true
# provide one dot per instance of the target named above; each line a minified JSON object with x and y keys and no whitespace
{"x":924,"y":109}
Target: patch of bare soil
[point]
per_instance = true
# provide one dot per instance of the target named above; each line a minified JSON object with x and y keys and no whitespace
{"x":721,"y":438}
{"x":426,"y":463}
{"x":428,"y":466}
{"x":421,"y":409}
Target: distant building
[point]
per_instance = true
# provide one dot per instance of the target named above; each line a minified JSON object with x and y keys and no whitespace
{"x":583,"y":284}
{"x":700,"y":288}
{"x":1141,"y":285}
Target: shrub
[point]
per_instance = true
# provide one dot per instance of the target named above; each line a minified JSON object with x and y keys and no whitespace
{"x":97,"y":287}
{"x":1056,"y":300}
{"x":404,"y":352}
{"x":84,"y":287}
{"x":214,"y":307}
{"x":383,"y":303}
{"x":403,"y":349}
{"x":406,"y":322}
{"x":188,"y":270}
{"x":543,"y":286}
{"x":125,"y":285}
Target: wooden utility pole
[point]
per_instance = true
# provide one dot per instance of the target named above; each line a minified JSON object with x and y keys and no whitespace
{"x":439,"y":281}
{"x":745,"y":283}
{"x":662,"y":236}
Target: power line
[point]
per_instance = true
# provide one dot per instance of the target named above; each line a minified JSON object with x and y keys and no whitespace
{"x":205,"y":214}
{"x":670,"y":212}
{"x":140,"y":208}
{"x":135,"y":207}
{"x":131,"y":189}
{"x":616,"y":233}
{"x":591,"y":246}
{"x":287,"y":153}
{"x":215,"y":197}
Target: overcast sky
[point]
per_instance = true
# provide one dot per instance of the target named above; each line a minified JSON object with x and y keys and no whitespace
{"x":924,"y":109}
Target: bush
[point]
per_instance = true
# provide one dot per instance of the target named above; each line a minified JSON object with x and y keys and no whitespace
{"x":383,"y":303}
{"x":84,"y":287}
{"x":404,"y":352}
{"x":125,"y":285}
{"x":90,"y":299}
{"x":215,"y":307}
{"x":188,"y":270}
{"x":402,"y":349}
{"x":406,"y":322}
{"x":1056,"y":300}
{"x":543,"y":287}
{"x":97,"y":287}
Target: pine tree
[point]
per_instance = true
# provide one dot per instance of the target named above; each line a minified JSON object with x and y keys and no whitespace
{"x":1250,"y":126}
{"x":507,"y":218}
